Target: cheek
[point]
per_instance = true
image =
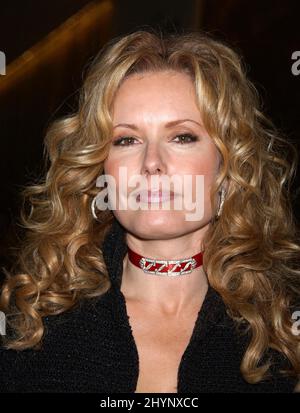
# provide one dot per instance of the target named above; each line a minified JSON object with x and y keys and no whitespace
{"x":114,"y":161}
{"x":112,"y":168}
{"x":204,"y":164}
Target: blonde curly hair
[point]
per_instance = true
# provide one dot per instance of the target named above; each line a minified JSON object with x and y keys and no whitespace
{"x":251,"y":251}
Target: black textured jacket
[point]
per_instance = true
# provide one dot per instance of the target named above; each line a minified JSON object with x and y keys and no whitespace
{"x":91,"y":348}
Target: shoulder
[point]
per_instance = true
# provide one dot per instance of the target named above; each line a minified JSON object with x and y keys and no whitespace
{"x":70,"y":339}
{"x":226,"y":342}
{"x":282,"y":382}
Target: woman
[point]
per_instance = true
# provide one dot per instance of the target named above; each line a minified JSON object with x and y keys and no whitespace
{"x":96,"y":303}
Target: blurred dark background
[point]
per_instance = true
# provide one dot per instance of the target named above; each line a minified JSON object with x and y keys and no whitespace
{"x":49,"y":45}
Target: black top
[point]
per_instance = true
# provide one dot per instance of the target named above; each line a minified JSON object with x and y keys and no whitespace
{"x":91,"y":347}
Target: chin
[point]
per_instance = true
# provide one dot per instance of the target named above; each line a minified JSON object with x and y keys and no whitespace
{"x":156,"y":224}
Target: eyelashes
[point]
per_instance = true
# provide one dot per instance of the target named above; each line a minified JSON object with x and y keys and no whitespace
{"x":126,"y":139}
{"x":190,"y":139}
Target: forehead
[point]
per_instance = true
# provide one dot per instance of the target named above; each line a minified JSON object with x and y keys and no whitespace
{"x":156,"y":93}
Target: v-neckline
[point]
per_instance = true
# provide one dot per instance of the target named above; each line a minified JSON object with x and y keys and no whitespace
{"x":210,"y":312}
{"x":200,"y":329}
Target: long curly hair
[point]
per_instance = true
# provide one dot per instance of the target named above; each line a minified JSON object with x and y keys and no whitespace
{"x":251,"y":250}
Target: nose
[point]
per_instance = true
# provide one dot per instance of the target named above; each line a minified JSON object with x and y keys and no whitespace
{"x":154,"y":161}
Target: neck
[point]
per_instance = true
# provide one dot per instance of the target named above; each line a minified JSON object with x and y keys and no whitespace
{"x":171,"y":295}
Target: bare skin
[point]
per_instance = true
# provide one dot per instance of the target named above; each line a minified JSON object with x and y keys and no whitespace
{"x":161,"y":337}
{"x":162,"y":309}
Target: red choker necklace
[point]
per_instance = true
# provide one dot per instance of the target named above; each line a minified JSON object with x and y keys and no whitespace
{"x":165,"y":267}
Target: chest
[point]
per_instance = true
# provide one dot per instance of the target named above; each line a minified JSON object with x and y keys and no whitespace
{"x":161,"y":342}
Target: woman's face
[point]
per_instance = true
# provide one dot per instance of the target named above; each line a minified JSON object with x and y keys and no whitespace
{"x":151,"y":146}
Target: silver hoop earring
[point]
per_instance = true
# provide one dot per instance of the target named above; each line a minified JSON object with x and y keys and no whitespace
{"x":93,"y":209}
{"x":105,"y":215}
{"x":222,"y":199}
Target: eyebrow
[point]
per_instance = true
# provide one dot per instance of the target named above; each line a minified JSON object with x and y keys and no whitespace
{"x":167,"y":125}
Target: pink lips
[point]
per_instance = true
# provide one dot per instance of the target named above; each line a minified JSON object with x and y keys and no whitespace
{"x":155,"y":196}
